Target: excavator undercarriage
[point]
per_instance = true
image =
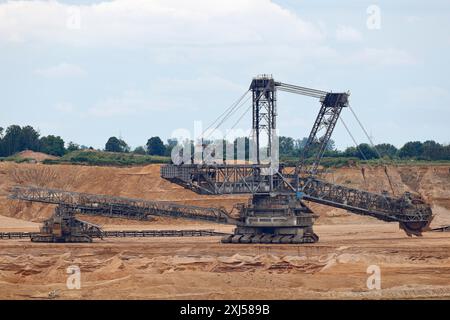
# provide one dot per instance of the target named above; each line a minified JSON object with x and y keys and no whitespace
{"x":274,"y":219}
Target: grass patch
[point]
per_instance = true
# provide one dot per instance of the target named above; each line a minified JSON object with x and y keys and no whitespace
{"x":101,"y":158}
{"x":404,"y":162}
{"x":17,"y":159}
{"x":339,"y":162}
{"x":327,"y":162}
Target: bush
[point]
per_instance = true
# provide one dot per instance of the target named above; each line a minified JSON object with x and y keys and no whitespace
{"x":99,"y":158}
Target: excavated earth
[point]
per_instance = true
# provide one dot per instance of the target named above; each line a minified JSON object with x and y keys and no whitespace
{"x":337,"y":267}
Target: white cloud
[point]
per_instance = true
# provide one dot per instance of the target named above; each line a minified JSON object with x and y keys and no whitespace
{"x":62,"y":70}
{"x":156,"y":23}
{"x":348,"y":34}
{"x":186,"y":32}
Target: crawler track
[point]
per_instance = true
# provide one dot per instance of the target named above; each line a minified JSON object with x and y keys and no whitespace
{"x":269,"y":238}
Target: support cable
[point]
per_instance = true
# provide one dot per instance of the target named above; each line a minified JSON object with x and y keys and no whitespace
{"x":314,"y":95}
{"x":240,"y":118}
{"x":365,"y":132}
{"x":228,"y":116}
{"x":245,"y":112}
{"x":357,"y":146}
{"x":225,"y":115}
{"x":353,"y":138}
{"x":299,"y":88}
{"x":375,"y":148}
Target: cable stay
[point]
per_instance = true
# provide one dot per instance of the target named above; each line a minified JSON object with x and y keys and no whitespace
{"x":225,"y":115}
{"x":376,"y":150}
{"x":248,"y":109}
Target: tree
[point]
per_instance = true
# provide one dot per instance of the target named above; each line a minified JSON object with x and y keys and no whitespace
{"x":387,"y":150}
{"x":431,"y":150}
{"x":367,"y":151}
{"x":331,"y":145}
{"x":18,"y":139}
{"x":29,"y":139}
{"x":363,"y":151}
{"x":351,"y":152}
{"x":72,"y":147}
{"x":446,"y":152}
{"x":299,"y":146}
{"x":286,"y":145}
{"x":155,"y":146}
{"x":11,"y":140}
{"x":52,"y":145}
{"x":139,"y":150}
{"x":300,"y":143}
{"x":171,"y":143}
{"x":412,"y":149}
{"x":116,"y":145}
{"x":1,"y":142}
{"x":113,"y":145}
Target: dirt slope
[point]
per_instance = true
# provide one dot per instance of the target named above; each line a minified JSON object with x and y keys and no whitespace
{"x":38,"y":156}
{"x":136,"y":182}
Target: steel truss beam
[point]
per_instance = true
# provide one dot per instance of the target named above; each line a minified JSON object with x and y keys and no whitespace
{"x":126,"y":234}
{"x":117,"y":206}
{"x":236,"y":179}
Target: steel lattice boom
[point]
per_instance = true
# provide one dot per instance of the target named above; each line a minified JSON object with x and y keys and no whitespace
{"x":117,"y":206}
{"x":125,"y":234}
{"x":227,"y":179}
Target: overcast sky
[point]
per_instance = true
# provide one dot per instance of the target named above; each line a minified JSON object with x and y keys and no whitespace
{"x":88,"y":70}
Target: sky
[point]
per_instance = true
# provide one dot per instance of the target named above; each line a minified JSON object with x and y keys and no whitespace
{"x":88,"y":70}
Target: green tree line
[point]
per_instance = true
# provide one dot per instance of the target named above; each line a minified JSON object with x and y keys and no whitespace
{"x":16,"y":138}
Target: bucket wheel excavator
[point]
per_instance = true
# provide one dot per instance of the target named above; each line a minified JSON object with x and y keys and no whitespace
{"x":277,"y":211}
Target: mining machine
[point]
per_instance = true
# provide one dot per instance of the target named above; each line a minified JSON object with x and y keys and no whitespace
{"x":277,"y":211}
{"x":65,"y":226}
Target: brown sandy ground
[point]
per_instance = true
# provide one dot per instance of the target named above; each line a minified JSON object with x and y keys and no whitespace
{"x":203,"y":268}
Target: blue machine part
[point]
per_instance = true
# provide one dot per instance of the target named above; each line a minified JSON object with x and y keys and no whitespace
{"x":299,"y":194}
